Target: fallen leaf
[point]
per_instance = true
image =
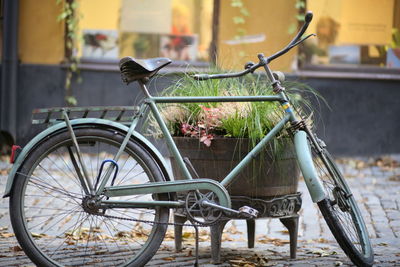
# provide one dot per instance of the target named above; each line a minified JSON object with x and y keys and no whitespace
{"x":187,"y":235}
{"x":360,"y":165}
{"x":226,"y":237}
{"x":395,"y":178}
{"x":233,"y":230}
{"x":6,"y":235}
{"x":275,"y":241}
{"x":170,"y":235}
{"x":70,"y":242}
{"x":16,"y":248}
{"x":322,"y":253}
{"x":238,"y":261}
{"x":38,"y":235}
{"x":386,"y":163}
{"x":262,"y":262}
{"x":169,"y":258}
{"x":338,"y":263}
{"x":322,"y":240}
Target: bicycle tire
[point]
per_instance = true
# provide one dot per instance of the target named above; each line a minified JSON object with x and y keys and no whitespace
{"x":341,"y":212}
{"x":47,"y":213}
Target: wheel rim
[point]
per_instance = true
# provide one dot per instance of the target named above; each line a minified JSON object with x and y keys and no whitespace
{"x":58,"y":225}
{"x":343,"y":204}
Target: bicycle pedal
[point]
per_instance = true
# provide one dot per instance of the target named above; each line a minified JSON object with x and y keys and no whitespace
{"x":248,"y":212}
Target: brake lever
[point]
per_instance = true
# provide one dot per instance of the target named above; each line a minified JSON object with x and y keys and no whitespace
{"x":302,"y":40}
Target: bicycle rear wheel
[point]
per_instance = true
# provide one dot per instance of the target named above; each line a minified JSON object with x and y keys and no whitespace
{"x":55,"y":227}
{"x":341,"y":212}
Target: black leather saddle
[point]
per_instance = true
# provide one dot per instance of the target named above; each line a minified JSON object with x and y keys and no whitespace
{"x":133,"y":69}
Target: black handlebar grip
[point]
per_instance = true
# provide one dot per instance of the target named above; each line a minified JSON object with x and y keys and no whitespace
{"x":309,"y":16}
{"x":201,"y":77}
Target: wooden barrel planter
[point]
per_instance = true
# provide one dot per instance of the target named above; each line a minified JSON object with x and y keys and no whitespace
{"x":268,"y":184}
{"x":266,"y":176}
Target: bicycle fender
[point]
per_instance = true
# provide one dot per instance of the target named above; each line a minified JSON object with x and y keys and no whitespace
{"x":78,"y":123}
{"x":310,"y":175}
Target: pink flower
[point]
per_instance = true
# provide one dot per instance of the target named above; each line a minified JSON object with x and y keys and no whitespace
{"x":206,"y":139}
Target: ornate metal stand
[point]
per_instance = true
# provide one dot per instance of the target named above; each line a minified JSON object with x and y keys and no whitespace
{"x":283,"y":207}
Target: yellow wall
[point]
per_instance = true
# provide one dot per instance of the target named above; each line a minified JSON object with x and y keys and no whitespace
{"x":371,"y":24}
{"x":269,"y":17}
{"x":41,"y":37}
{"x":99,"y":14}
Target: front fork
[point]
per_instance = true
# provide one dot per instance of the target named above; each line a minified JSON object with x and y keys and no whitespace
{"x":304,"y":157}
{"x":303,"y":138}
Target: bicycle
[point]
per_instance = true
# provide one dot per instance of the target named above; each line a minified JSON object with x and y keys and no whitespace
{"x":65,"y":210}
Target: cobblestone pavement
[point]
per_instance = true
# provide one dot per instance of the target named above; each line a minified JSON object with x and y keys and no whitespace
{"x":375,"y":184}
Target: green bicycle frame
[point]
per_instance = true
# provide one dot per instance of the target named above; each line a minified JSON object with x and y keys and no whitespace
{"x":301,"y":144}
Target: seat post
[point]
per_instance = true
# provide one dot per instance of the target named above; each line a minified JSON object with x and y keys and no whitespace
{"x":143,"y":86}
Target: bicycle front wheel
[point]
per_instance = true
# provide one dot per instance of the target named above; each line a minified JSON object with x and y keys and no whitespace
{"x":52,"y":220}
{"x":341,"y":212}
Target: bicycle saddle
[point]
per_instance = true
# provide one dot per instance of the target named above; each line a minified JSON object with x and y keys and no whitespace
{"x":133,"y":69}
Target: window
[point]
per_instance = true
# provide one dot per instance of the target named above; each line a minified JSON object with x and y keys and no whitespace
{"x":178,"y":29}
{"x":353,"y":33}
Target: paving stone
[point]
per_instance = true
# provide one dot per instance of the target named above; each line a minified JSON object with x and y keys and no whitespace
{"x":389,"y":204}
{"x":393,"y":215}
{"x":395,"y":223}
{"x":372,"y":200}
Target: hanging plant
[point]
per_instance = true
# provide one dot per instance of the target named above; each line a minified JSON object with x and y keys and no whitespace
{"x":69,"y":14}
{"x":240,"y":20}
{"x":300,"y":5}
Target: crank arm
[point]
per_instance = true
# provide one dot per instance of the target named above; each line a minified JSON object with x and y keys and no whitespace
{"x":244,"y":211}
{"x":216,"y":206}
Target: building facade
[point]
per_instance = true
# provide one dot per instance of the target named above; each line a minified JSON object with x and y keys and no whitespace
{"x":354,"y":62}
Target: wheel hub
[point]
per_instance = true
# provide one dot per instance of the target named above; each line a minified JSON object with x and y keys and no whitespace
{"x":341,"y":199}
{"x":90,"y":205}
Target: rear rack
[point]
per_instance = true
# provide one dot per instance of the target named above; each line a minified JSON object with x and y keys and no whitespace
{"x":122,"y":114}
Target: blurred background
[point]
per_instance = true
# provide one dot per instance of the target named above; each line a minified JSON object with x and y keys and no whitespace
{"x":66,"y":52}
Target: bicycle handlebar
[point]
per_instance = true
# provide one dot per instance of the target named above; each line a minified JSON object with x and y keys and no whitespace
{"x":202,"y":77}
{"x":296,"y":40}
{"x":263,"y":60}
{"x":307,"y":19}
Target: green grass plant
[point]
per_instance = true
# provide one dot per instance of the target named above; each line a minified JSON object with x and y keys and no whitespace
{"x":252,"y":120}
